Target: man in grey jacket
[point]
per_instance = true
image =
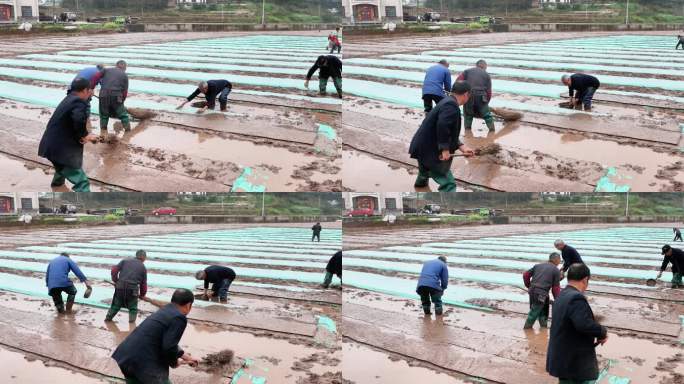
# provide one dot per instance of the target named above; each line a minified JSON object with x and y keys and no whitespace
{"x":113,"y":94}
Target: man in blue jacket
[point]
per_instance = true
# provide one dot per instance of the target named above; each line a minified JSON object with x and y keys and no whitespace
{"x":434,"y":279}
{"x":436,"y":83}
{"x":575,"y":333}
{"x":57,"y":281}
{"x":145,"y":356}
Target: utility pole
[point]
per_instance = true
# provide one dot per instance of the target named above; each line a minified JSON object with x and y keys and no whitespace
{"x":627,"y":13}
{"x":263,"y":12}
{"x":263,"y":204}
{"x":627,"y":205}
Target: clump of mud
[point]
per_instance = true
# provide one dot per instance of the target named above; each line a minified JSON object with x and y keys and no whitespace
{"x":326,"y":378}
{"x":218,"y":360}
{"x":491,"y":149}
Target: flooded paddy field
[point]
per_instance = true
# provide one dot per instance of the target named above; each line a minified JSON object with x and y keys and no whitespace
{"x":480,"y":338}
{"x":281,"y":326}
{"x":276,"y":135}
{"x":630,"y":141}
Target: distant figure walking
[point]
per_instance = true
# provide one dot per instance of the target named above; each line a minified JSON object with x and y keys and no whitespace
{"x":677,"y":233}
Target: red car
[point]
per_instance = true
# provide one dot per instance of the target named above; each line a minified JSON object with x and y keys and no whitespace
{"x":164,"y":211}
{"x":360,"y":212}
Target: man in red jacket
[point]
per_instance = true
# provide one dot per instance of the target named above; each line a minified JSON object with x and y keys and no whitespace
{"x":538,"y":280}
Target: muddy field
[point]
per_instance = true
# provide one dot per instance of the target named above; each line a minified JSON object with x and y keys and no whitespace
{"x":279,"y":324}
{"x":275,"y":136}
{"x":630,"y":141}
{"x":481,"y":338}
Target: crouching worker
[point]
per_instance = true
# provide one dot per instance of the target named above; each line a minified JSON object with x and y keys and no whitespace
{"x":211,"y":90}
{"x":433,"y":281}
{"x":130,"y":277}
{"x":145,"y":356}
{"x":539,"y":280}
{"x":334,"y":267}
{"x":220,"y":278}
{"x":327,"y":67}
{"x":57,"y":281}
{"x":66,"y":133}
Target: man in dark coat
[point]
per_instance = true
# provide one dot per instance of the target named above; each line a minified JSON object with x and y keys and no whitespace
{"x":113,"y":94}
{"x":66,"y":133}
{"x":130,"y":277}
{"x":582,"y":88}
{"x":211,"y":90}
{"x":676,"y":257}
{"x":569,"y":254}
{"x":334,"y":267}
{"x":316,"y":229}
{"x":327,"y":66}
{"x":575,"y":333}
{"x":680,"y":42}
{"x":677,"y":233}
{"x":145,"y":356}
{"x":437,"y":139}
{"x":220,"y":278}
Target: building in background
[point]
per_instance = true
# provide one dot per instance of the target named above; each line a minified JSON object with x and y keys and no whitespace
{"x":380,"y":202}
{"x":12,"y":11}
{"x":13,"y":203}
{"x":372,"y":11}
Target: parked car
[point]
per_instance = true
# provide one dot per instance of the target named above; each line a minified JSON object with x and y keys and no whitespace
{"x":410,"y":18}
{"x":431,"y":209}
{"x":164,"y":211}
{"x":68,"y":209}
{"x":364,"y":212}
{"x":432,"y":16}
{"x":67,"y":17}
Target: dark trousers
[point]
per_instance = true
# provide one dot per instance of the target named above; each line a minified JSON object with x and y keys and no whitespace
{"x":428,"y":99}
{"x":678,"y":236}
{"x":142,"y":377}
{"x":56,"y":294}
{"x":586,"y":97}
{"x":316,"y":235}
{"x":221,"y":288}
{"x":338,"y":46}
{"x":680,"y":44}
{"x":428,"y":294}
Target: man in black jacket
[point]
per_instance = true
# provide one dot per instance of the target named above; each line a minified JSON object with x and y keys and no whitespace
{"x":220,"y":278}
{"x":211,"y":90}
{"x":582,"y":88}
{"x":316,"y":229}
{"x":437,"y":139}
{"x":327,"y":66}
{"x":680,"y":42}
{"x":677,"y":233}
{"x":145,"y":356}
{"x":334,"y":267}
{"x":575,"y":333}
{"x":569,"y":254}
{"x":66,"y":133}
{"x":676,"y":257}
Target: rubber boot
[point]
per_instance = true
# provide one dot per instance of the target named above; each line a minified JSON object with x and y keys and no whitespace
{"x":132,"y":317}
{"x":69,"y":305}
{"x":439,"y":311}
{"x":426,"y":310}
{"x":60,"y":308}
{"x":527,"y":325}
{"x":468,"y":123}
{"x":490,"y":125}
{"x":126,"y":126}
{"x":103,"y":135}
{"x":543,"y":323}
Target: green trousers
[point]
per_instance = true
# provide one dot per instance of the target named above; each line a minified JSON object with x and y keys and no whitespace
{"x":538,"y":311}
{"x":118,"y":302}
{"x":677,"y":280}
{"x":76,"y":176}
{"x":121,"y":113}
{"x":441,"y":174}
{"x":486,"y":116}
{"x":570,"y":381}
{"x":328,"y":279}
{"x":323,"y":85}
